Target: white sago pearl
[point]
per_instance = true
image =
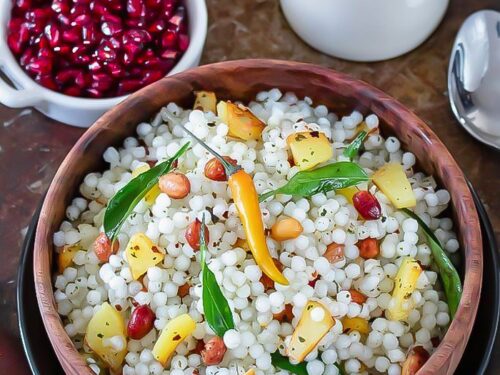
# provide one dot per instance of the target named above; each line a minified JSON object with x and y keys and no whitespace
{"x":429,"y":307}
{"x":238,"y":278}
{"x":382,"y":364}
{"x":301,"y":242}
{"x":70,"y":273}
{"x":352,"y":271}
{"x":71,"y":237}
{"x":315,"y":367}
{"x":229,"y":258}
{"x":379,"y":324}
{"x":391,"y":224}
{"x":406,"y":340}
{"x":452,"y":245}
{"x":322,"y":265}
{"x":394,"y":369}
{"x":338,"y":236}
{"x":182,"y":263}
{"x":94,"y":297}
{"x":396,"y":355}
{"x":443,"y":196}
{"x":264,"y":361}
{"x":341,"y":218}
{"x":428,"y":321}
{"x":322,"y":223}
{"x":352,"y":366}
{"x":442,"y":319}
{"x":371,"y":121}
{"x":318,"y":199}
{"x":262,"y":303}
{"x":351,"y":251}
{"x":329,"y":356}
{"x":317,"y":314}
{"x":232,"y":339}
{"x":256,"y":350}
{"x":411,"y":238}
{"x":276,"y":299}
{"x":299,"y":300}
{"x":408,"y":159}
{"x":431,"y":199}
{"x":298,"y":264}
{"x":253,"y":272}
{"x":422,"y":336}
{"x":403,"y":248}
{"x":392,"y":144}
{"x":396,"y":327}
{"x":344,"y":297}
{"x":390,"y":341}
{"x":375,"y":339}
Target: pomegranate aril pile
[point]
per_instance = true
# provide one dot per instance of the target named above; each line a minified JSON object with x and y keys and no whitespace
{"x":97,"y":48}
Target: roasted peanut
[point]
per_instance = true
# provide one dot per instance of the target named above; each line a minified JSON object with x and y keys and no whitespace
{"x":214,"y":351}
{"x":368,"y":248}
{"x":286,"y":229}
{"x":103,"y":248}
{"x":214,"y":170}
{"x":334,"y":252}
{"x":193,"y":235}
{"x":183,"y":290}
{"x":415,"y":359}
{"x":175,"y":184}
{"x":357,"y":297}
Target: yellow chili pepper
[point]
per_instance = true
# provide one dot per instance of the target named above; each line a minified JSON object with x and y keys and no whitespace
{"x":247,"y":202}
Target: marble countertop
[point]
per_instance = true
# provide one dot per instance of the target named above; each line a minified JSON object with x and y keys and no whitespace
{"x":32,"y":146}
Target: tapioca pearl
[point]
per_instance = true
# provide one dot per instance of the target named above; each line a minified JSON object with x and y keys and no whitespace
{"x":396,"y":355}
{"x":443,"y":196}
{"x":253,"y":272}
{"x":408,"y":160}
{"x":452,"y":245}
{"x":351,"y":251}
{"x":422,"y":336}
{"x":343,"y":342}
{"x":442,"y":319}
{"x":338,"y":236}
{"x":341,"y":218}
{"x":391,"y":225}
{"x":371,"y":121}
{"x":431,"y":199}
{"x":329,"y":356}
{"x":375,"y":339}
{"x":406,"y":340}
{"x":380,"y":324}
{"x":318,"y":199}
{"x":344,"y":297}
{"x":403,"y":248}
{"x":390,"y":341}
{"x":353,"y":271}
{"x":315,"y":367}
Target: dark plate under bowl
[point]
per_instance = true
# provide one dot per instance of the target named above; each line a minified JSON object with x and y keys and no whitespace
{"x":42,"y":359}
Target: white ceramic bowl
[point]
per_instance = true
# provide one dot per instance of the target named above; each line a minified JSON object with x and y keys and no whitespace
{"x":71,"y":110}
{"x":364,"y":30}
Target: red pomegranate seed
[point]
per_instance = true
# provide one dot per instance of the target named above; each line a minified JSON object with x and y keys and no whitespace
{"x":81,"y":20}
{"x":40,"y":66}
{"x":151,"y":76}
{"x":26,"y":57}
{"x":136,"y":8}
{"x":101,"y":82}
{"x":23,"y":4}
{"x":170,"y":54}
{"x":59,"y":6}
{"x":52,"y":34}
{"x":128,"y":85}
{"x":73,"y":91}
{"x":367,"y":205}
{"x":71,"y":36}
{"x":168,"y":39}
{"x":183,"y":42}
{"x":66,"y":75}
{"x":47,"y":81}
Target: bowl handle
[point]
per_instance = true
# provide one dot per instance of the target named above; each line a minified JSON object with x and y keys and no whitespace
{"x":17,"y":98}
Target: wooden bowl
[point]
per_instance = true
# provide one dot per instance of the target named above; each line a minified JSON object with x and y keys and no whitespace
{"x":242,"y":80}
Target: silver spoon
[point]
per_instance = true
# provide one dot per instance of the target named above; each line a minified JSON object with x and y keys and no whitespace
{"x":474,"y":76}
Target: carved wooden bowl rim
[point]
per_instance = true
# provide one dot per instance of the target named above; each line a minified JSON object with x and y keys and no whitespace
{"x":240,"y":80}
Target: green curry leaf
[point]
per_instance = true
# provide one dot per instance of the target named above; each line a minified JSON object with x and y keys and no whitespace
{"x":215,"y":306}
{"x":321,"y":180}
{"x":352,"y":150}
{"x":123,"y":202}
{"x":284,"y":363}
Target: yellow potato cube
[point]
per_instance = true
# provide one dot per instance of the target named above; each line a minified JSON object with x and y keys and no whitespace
{"x":309,"y":149}
{"x":404,"y":285}
{"x":314,"y":323}
{"x":172,"y":335}
{"x":355,"y":324}
{"x":348,"y":192}
{"x":65,"y":257}
{"x":205,"y":101}
{"x":142,"y":254}
{"x":241,"y":121}
{"x":106,"y":336}
{"x":392,"y":180}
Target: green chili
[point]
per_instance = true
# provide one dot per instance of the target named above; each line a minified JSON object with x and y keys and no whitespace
{"x":352,"y":150}
{"x":447,"y":272}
